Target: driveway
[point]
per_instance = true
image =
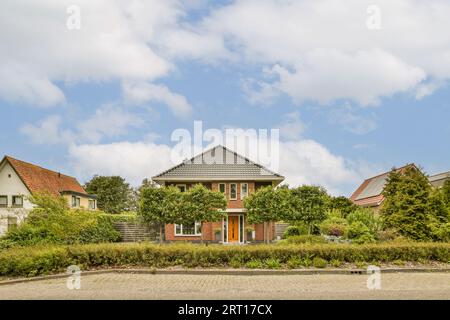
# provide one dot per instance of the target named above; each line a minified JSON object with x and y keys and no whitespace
{"x":164,"y":286}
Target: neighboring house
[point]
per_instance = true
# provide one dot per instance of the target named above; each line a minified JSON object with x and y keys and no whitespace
{"x":19,"y":180}
{"x":369,"y":193}
{"x":220,"y":169}
{"x":438,"y":180}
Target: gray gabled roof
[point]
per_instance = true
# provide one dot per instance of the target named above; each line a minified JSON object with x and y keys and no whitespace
{"x":218,"y":163}
{"x":438,"y":180}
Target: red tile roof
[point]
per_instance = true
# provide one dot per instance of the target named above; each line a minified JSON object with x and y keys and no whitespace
{"x":38,"y":179}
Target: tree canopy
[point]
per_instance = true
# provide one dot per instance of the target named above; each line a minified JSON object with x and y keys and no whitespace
{"x":114,"y":194}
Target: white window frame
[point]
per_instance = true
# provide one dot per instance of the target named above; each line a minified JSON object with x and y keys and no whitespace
{"x":224,"y":187}
{"x":77,"y":202}
{"x":94,"y":202}
{"x":15,"y":205}
{"x":7,"y":201}
{"x":182,"y":185}
{"x":236,"y":196}
{"x":242,"y":194}
{"x":197,"y":226}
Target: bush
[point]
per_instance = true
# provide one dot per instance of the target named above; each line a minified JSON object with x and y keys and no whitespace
{"x":305,"y":239}
{"x":333,"y":226}
{"x":28,"y":261}
{"x":367,"y":217}
{"x":442,"y":232}
{"x":359,"y":233}
{"x":292,"y":231}
{"x":123,"y":217}
{"x":53,"y":222}
{"x":319,"y":262}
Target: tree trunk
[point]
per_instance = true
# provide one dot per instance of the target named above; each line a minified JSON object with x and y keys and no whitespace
{"x":160,"y":233}
{"x":201,"y":232}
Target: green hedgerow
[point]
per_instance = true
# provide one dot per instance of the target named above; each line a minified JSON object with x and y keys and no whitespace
{"x":49,"y":258}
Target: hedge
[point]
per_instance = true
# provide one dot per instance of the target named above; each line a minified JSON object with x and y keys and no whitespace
{"x":30,"y":261}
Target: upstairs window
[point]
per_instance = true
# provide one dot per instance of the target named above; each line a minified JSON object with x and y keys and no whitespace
{"x":233,"y":191}
{"x":17,"y":201}
{"x":3,"y":201}
{"x":244,"y":190}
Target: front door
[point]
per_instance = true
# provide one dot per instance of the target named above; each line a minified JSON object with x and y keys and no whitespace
{"x":233,"y":228}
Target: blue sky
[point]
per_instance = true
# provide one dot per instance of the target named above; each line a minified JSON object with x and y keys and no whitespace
{"x":353,"y":91}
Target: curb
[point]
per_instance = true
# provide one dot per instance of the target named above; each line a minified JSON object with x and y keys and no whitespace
{"x":236,"y":272}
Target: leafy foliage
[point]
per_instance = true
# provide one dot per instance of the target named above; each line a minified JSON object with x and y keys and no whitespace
{"x":308,"y":205}
{"x":411,"y":206}
{"x":52,"y":222}
{"x":343,"y":204}
{"x":31,"y":261}
{"x":114,"y":195}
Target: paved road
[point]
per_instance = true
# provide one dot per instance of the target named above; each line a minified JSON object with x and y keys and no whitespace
{"x":148,"y":286}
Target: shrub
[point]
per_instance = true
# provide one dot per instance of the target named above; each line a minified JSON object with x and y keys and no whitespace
{"x":53,"y":222}
{"x":26,"y":261}
{"x":292,"y":231}
{"x":333,"y":227}
{"x":254,"y":264}
{"x":359,"y":233}
{"x":442,"y":232}
{"x":305,"y":239}
{"x":319,"y":262}
{"x":123,"y":217}
{"x":367,"y":217}
{"x":272,"y":263}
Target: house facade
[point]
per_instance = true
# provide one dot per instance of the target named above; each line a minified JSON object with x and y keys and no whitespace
{"x":220,"y":169}
{"x":19,"y":180}
{"x":370,"y":192}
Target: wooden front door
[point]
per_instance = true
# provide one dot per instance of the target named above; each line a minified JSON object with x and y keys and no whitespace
{"x":233,"y":228}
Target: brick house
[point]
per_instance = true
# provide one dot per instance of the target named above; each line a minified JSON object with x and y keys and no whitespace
{"x":220,"y":169}
{"x":19,"y":180}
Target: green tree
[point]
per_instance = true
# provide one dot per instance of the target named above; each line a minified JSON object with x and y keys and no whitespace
{"x":409,"y":207}
{"x":267,"y":204}
{"x":343,"y":204}
{"x":199,"y":204}
{"x":308,"y":205}
{"x":160,"y":205}
{"x":114,"y":195}
{"x":445,"y":190}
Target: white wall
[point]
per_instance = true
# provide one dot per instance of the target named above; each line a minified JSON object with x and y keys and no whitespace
{"x":11,"y":185}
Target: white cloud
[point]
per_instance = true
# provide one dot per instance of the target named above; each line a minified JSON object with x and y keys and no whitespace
{"x":351,"y":121}
{"x":48,"y":131}
{"x":323,"y":51}
{"x":292,"y":128}
{"x":143,"y":92}
{"x":131,"y":160}
{"x":107,"y":122}
{"x":114,"y":42}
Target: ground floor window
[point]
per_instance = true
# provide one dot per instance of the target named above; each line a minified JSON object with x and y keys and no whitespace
{"x":12,"y":223}
{"x":192,"y":229}
{"x":92,"y":204}
{"x":76,"y":202}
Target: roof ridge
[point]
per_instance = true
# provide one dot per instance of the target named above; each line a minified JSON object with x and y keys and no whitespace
{"x":40,"y":167}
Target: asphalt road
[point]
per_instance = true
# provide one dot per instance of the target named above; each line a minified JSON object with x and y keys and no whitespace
{"x":159,"y":286}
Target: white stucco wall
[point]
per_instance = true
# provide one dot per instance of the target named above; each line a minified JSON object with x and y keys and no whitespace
{"x":11,"y":185}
